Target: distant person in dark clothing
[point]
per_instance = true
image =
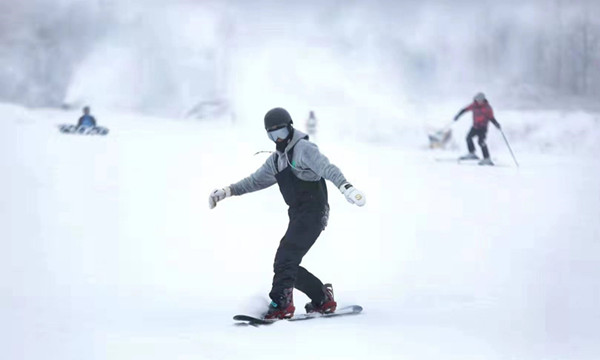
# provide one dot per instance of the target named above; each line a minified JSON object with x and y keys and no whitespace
{"x":482,"y":115}
{"x":86,"y":120}
{"x":311,"y":124}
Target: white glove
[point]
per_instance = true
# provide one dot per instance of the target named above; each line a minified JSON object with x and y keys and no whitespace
{"x":353,"y":195}
{"x":218,"y":195}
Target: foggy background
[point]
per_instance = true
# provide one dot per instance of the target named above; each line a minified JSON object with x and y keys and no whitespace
{"x":185,"y":58}
{"x":110,"y":250}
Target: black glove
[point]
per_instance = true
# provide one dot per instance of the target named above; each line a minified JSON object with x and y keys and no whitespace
{"x":462,"y":111}
{"x":497,"y":126}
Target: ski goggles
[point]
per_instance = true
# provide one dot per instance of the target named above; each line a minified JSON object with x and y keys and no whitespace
{"x":278,"y":133}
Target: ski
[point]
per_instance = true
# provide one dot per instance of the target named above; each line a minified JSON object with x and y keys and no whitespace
{"x":451,"y":160}
{"x":255,"y":321}
{"x":470,"y":162}
{"x":467,"y":159}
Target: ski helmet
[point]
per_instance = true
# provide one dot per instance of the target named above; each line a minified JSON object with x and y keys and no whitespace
{"x":277,"y":117}
{"x":479,"y":97}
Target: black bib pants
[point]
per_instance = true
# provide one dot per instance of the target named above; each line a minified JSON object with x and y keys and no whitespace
{"x":308,"y":212}
{"x":481,"y":134}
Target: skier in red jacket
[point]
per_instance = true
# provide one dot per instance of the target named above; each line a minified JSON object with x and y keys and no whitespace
{"x":482,"y":115}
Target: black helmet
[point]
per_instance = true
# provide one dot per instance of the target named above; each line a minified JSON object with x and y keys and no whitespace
{"x":276,"y":117}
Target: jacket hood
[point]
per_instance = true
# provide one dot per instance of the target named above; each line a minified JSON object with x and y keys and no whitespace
{"x":298,"y":135}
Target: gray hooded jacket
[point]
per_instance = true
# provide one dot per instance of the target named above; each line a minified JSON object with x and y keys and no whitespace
{"x":307,"y":164}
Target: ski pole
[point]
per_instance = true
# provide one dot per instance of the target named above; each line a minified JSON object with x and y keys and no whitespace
{"x":508,"y":145}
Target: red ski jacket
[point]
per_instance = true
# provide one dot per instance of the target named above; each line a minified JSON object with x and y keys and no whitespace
{"x":482,"y":114}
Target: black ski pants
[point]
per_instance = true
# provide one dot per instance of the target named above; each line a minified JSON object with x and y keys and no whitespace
{"x":302,"y":232}
{"x":481,"y":134}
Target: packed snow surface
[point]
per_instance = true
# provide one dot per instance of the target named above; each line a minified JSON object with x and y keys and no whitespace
{"x":109,"y":250}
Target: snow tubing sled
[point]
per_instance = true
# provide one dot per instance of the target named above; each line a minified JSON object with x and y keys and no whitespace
{"x":82,"y":130}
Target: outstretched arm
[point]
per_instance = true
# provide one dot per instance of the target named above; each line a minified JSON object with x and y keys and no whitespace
{"x":490,"y":115}
{"x":262,"y":178}
{"x":309,"y":157}
{"x":312,"y":158}
{"x":495,"y":122}
{"x":462,"y":111}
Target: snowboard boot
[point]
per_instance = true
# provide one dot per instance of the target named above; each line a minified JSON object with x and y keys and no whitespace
{"x":326,"y":305}
{"x":284,"y":308}
{"x":469,"y":156}
{"x":486,"y":161}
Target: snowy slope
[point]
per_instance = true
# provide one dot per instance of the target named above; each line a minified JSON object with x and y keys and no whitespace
{"x":109,"y":250}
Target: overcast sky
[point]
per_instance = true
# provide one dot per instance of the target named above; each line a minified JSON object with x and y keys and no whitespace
{"x":165,"y":56}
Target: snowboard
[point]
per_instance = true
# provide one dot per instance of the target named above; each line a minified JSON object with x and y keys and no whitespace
{"x":255,"y":321}
{"x":82,"y":130}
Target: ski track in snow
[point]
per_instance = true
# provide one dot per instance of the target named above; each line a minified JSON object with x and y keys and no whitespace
{"x":109,"y":250}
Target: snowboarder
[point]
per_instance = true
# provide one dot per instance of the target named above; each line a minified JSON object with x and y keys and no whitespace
{"x":86,"y":120}
{"x":482,"y":114}
{"x":300,"y":170}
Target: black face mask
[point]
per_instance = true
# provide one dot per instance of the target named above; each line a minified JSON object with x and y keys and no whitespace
{"x":280,"y":146}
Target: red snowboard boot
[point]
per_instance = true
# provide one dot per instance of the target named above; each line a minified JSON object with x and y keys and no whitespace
{"x":327,"y":305}
{"x":285,"y":309}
